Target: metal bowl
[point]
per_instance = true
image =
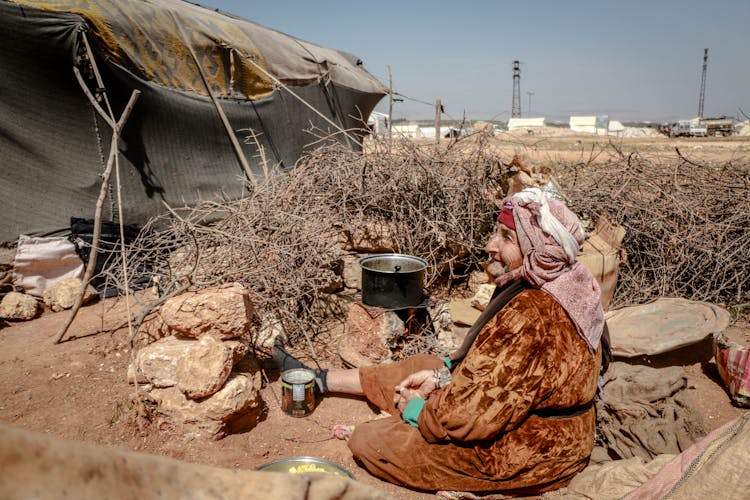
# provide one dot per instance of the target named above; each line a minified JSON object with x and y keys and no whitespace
{"x":301,"y":465}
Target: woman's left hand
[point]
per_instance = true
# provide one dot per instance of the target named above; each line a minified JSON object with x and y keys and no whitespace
{"x":403,"y":396}
{"x":417,"y":385}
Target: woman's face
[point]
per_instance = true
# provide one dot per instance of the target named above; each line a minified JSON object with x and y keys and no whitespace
{"x":503,"y":248}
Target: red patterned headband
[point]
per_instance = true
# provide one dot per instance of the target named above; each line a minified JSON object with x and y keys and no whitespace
{"x":505,"y":217}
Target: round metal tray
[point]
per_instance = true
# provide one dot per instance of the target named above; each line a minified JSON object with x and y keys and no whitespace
{"x":301,"y":465}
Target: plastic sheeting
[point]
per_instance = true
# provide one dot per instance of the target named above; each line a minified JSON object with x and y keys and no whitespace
{"x":153,"y":40}
{"x":733,"y":364}
{"x":42,"y":262}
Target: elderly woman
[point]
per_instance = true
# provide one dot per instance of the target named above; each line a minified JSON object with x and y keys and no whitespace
{"x":511,"y":411}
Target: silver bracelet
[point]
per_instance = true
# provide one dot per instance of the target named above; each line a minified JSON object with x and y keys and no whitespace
{"x":441,"y":377}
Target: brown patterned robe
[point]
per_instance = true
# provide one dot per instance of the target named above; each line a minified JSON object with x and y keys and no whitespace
{"x":477,"y":433}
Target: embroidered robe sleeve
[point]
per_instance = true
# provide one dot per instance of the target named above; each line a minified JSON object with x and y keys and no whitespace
{"x":499,"y":381}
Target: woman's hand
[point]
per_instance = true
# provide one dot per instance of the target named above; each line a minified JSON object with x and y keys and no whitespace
{"x":417,"y":385}
{"x":403,"y":396}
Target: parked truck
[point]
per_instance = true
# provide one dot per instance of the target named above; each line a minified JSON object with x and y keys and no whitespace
{"x":687,"y":128}
{"x":721,"y":126}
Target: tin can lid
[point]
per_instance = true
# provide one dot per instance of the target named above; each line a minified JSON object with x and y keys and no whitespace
{"x":298,"y":376}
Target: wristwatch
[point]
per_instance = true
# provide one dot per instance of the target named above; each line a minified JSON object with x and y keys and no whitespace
{"x":441,"y":376}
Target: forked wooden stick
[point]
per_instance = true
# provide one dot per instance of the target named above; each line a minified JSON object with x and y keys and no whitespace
{"x":98,"y":213}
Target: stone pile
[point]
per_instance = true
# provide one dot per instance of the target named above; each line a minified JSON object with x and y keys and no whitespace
{"x":200,"y":375}
{"x":60,"y":295}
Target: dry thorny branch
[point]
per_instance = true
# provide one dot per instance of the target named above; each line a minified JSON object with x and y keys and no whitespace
{"x":284,"y":241}
{"x":687,"y":224}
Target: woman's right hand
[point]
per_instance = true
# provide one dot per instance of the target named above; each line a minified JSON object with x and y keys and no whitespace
{"x":422,"y":382}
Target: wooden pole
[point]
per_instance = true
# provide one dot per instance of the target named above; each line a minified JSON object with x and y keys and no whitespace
{"x":438,"y":111}
{"x":98,"y":213}
{"x":390,"y":108}
{"x":109,"y":117}
{"x":97,"y":74}
{"x":110,"y":121}
{"x":224,"y":120}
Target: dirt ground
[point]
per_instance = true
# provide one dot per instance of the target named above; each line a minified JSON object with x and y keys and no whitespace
{"x":78,"y":389}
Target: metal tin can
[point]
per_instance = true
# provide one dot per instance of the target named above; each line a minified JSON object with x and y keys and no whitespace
{"x":298,"y":392}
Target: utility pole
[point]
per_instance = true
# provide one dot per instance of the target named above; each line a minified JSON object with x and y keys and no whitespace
{"x":516,"y":109}
{"x":438,"y":111}
{"x":528,"y":111}
{"x":703,"y":84}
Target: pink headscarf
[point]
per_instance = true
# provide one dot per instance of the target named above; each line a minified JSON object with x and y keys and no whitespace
{"x":550,"y":235}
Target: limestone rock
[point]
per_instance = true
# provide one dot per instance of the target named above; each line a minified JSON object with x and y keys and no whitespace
{"x":134,"y":375}
{"x":249,"y":367}
{"x":157,"y":362}
{"x":225,"y":312}
{"x":369,"y":333}
{"x":63,"y":294}
{"x":270,"y":328}
{"x":442,"y":325}
{"x":18,"y":306}
{"x":352,"y":273}
{"x":239,"y":348}
{"x":204,"y":367}
{"x":483,"y":296}
{"x":370,"y":236}
{"x":152,"y":329}
{"x":215,"y":416}
{"x":478,"y":278}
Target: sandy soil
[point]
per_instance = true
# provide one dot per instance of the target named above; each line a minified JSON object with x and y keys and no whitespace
{"x":78,"y":390}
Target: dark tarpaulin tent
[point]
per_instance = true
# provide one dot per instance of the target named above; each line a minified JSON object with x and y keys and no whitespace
{"x":174,"y":147}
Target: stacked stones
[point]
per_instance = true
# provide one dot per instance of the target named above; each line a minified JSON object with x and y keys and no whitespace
{"x":200,"y":375}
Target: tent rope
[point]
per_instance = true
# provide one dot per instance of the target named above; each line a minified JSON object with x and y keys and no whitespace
{"x":300,"y":99}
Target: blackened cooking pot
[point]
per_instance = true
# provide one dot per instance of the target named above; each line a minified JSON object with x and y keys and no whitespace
{"x":392,"y":280}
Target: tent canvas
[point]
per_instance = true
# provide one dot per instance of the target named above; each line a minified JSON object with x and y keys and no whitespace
{"x":174,"y":148}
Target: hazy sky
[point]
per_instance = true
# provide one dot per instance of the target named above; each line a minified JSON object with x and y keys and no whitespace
{"x":629,"y":59}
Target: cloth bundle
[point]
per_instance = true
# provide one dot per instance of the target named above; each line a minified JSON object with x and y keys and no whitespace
{"x":647,"y":412}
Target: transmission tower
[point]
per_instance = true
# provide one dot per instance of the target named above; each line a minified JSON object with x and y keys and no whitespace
{"x":703,"y":84}
{"x":516,"y":109}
